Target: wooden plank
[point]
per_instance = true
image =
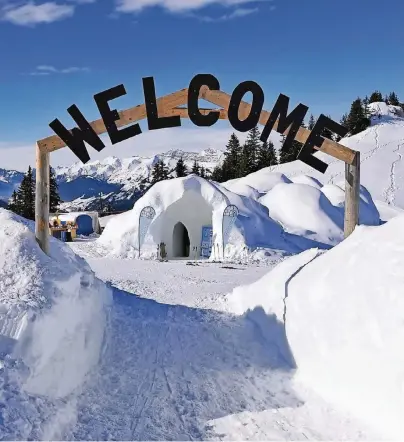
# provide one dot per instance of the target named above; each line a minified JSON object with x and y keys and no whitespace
{"x":352,"y":184}
{"x":183,"y":112}
{"x":42,"y":199}
{"x":127,"y":116}
{"x":329,"y":147}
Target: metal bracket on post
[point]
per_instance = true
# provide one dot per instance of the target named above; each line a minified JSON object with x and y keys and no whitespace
{"x":352,"y":196}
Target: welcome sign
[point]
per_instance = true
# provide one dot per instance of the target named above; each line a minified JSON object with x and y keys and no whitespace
{"x":285,"y":122}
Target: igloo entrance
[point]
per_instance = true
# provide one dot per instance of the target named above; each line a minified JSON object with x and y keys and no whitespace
{"x":181,"y":241}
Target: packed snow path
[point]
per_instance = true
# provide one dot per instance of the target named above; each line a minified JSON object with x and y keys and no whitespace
{"x":178,"y":372}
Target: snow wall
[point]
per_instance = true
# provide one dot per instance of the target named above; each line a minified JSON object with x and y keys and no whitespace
{"x":343,"y":311}
{"x":53,"y":311}
{"x":274,"y":213}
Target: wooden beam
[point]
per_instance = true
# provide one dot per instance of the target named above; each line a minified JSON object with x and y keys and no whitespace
{"x":168,"y":106}
{"x":42,"y":199}
{"x":352,"y":195}
{"x":128,"y":116}
{"x":329,"y":147}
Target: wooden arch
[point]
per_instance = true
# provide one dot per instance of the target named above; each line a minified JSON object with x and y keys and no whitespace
{"x":169,"y":105}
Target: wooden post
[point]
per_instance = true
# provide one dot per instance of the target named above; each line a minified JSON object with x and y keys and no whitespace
{"x":352,"y":182}
{"x":42,"y":199}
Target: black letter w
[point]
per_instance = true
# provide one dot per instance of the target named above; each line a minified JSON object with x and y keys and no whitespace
{"x":75,"y":138}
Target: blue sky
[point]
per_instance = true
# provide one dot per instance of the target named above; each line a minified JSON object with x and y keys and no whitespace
{"x":320,"y":53}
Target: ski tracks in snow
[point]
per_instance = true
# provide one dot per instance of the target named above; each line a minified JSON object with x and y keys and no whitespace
{"x":170,"y":369}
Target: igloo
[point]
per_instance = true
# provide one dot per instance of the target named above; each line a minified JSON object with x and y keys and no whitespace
{"x":178,"y":213}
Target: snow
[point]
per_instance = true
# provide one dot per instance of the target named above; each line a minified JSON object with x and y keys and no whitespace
{"x":343,"y":315}
{"x":263,"y":181}
{"x":52,"y":321}
{"x":345,"y":325}
{"x":104,"y":220}
{"x":274,"y":213}
{"x":195,"y":202}
{"x":387,"y":211}
{"x":194,"y":371}
{"x":304,"y":210}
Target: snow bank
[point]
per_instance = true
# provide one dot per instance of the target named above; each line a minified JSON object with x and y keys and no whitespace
{"x":304,"y":210}
{"x":387,"y":211}
{"x":345,"y":325}
{"x":52,"y":310}
{"x":344,"y":321}
{"x":263,"y":181}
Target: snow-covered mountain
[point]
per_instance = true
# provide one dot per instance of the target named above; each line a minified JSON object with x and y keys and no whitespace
{"x":113,"y":179}
{"x":9,"y":181}
{"x":117,"y":180}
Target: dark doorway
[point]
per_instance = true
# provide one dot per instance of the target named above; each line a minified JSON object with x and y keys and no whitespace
{"x":180,"y":241}
{"x":84,"y":225}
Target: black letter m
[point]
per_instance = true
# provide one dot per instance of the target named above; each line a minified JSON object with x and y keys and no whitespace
{"x":294,"y":119}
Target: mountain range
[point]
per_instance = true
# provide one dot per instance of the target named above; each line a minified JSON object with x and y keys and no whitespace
{"x":112,"y":180}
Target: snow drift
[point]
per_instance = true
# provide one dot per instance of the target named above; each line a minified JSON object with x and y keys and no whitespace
{"x":52,"y":310}
{"x":343,"y":311}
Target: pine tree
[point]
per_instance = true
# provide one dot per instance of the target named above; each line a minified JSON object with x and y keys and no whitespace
{"x":376,"y":97}
{"x":216,"y":175}
{"x":356,"y":120}
{"x":327,"y":133}
{"x":202,"y":173}
{"x":195,"y":168}
{"x":26,"y":196}
{"x":386,"y":99}
{"x":365,"y":104}
{"x":312,"y":123}
{"x":54,"y":198}
{"x":159,"y":172}
{"x":266,"y":155}
{"x":231,"y":165}
{"x":249,"y":152}
{"x":164,"y":171}
{"x":14,"y":203}
{"x":291,"y":154}
{"x":393,"y":99}
{"x":180,"y":168}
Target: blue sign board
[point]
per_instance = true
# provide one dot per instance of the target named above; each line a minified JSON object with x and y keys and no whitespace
{"x":206,"y":243}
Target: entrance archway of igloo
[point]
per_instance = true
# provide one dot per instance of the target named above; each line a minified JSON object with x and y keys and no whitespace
{"x":181,"y":241}
{"x":193,"y":212}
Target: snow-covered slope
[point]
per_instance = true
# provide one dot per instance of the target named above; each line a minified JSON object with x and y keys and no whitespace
{"x":382,"y":149}
{"x":343,"y":312}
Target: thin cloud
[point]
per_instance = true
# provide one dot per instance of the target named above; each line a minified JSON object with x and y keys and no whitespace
{"x":240,"y":12}
{"x":177,"y":6}
{"x":48,"y":70}
{"x":31,"y":14}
